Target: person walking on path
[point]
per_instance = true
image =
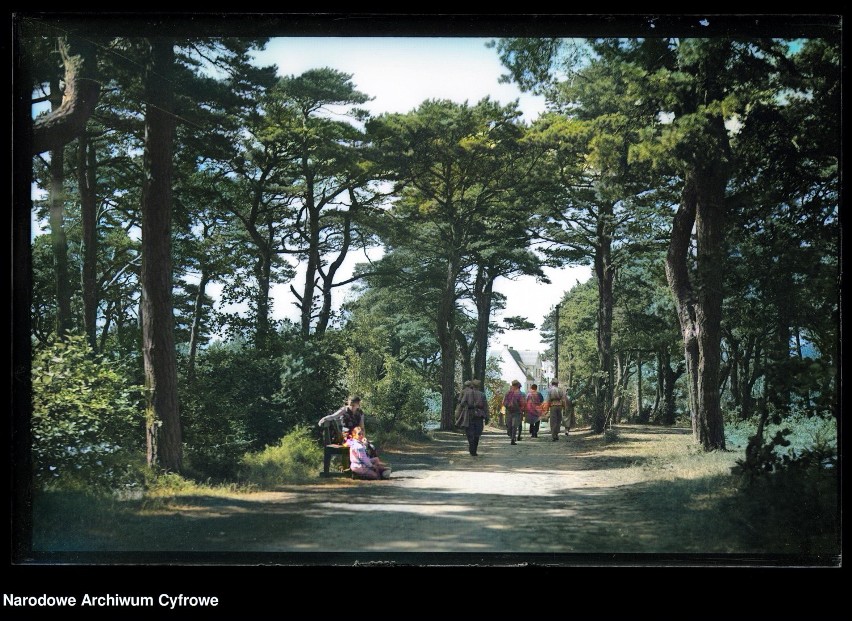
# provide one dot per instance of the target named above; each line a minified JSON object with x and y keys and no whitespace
{"x":472,"y":414}
{"x":533,"y":409}
{"x":555,"y":406}
{"x":569,"y":419}
{"x":514,"y":401}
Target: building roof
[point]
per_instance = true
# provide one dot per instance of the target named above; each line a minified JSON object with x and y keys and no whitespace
{"x":524,"y":365}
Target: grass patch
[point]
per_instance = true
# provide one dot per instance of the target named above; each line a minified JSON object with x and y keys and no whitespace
{"x":296,"y":458}
{"x":692,"y":495}
{"x":58,"y":514}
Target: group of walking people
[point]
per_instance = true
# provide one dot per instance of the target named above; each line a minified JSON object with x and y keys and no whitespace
{"x":472,"y":412}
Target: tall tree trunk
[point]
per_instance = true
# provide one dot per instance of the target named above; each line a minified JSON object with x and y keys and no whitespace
{"x":671,"y":376}
{"x":622,"y":378}
{"x":604,"y":273}
{"x":58,"y":240}
{"x":313,"y":214}
{"x":751,"y":370}
{"x":263,"y":276}
{"x":446,"y":339}
{"x":699,"y":307}
{"x":89,"y":215}
{"x":464,"y":349}
{"x":105,"y":328}
{"x":710,"y":224}
{"x":484,"y":292}
{"x":20,"y":463}
{"x":734,"y":353}
{"x":677,"y":274}
{"x":641,"y":413}
{"x":658,"y":398}
{"x":197,"y":316}
{"x":328,"y":276}
{"x":158,"y":346}
{"x":779,"y":372}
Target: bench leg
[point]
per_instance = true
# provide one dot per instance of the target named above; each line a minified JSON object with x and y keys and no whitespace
{"x":326,"y":461}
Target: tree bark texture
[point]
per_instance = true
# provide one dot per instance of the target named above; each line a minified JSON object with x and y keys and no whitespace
{"x":164,"y":443}
{"x":197,"y":316}
{"x":313,"y":225}
{"x":484,"y":293}
{"x":82,"y":88}
{"x":446,"y":339}
{"x":605,"y":274}
{"x":263,"y":276}
{"x":699,"y":299}
{"x":59,"y":242}
{"x":464,"y":349}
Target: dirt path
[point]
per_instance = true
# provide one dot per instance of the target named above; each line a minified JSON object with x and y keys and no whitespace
{"x":582,"y":495}
{"x":537,"y":496}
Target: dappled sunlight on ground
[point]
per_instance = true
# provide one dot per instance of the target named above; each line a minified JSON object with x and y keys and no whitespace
{"x":639,"y":490}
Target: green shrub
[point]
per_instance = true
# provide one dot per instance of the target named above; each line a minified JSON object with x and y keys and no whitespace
{"x":296,"y":457}
{"x":309,"y":379}
{"x":227,"y":410}
{"x":797,"y":442}
{"x":243,"y":399}
{"x":87,"y":419}
{"x":398,"y":399}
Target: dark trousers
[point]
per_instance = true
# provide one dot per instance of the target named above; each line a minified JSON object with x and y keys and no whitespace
{"x":514,"y":423}
{"x":534,"y":425}
{"x":474,"y":431}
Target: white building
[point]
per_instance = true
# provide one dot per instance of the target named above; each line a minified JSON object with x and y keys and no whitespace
{"x":524,"y":365}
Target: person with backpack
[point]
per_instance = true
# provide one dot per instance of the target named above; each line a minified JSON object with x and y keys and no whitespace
{"x":514,"y":401}
{"x":473,"y":414}
{"x":533,"y":409}
{"x":555,"y":405}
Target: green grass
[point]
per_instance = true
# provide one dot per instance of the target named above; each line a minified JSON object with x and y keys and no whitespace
{"x":296,"y":458}
{"x":693,"y":497}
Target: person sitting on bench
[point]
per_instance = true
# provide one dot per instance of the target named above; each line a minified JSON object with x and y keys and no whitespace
{"x":360,"y":462}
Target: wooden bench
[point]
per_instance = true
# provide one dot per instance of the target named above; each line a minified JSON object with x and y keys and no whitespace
{"x":332,"y":437}
{"x":330,"y":451}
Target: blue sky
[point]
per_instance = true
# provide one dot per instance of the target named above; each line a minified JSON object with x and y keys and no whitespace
{"x":400,"y":73}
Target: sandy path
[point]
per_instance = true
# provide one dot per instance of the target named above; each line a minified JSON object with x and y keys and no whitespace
{"x":538,"y":497}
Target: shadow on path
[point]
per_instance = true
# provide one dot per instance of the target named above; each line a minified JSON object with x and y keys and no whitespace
{"x":537,"y":497}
